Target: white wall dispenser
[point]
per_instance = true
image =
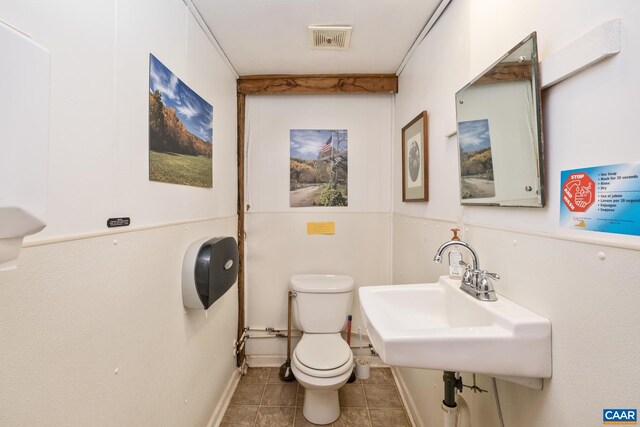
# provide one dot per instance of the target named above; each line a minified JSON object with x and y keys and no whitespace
{"x":209,"y":269}
{"x":24,"y":141}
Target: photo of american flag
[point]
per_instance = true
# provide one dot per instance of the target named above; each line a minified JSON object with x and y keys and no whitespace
{"x":325,"y":149}
{"x":318,"y":171}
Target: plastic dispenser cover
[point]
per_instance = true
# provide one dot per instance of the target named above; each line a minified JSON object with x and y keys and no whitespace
{"x":24,"y":121}
{"x":213,"y":267}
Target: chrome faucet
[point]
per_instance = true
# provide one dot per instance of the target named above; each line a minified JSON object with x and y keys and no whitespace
{"x":475,"y":282}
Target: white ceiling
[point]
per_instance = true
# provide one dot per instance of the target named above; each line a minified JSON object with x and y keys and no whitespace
{"x":270,"y":36}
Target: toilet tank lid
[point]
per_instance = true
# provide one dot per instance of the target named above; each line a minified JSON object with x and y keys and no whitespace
{"x":321,"y":283}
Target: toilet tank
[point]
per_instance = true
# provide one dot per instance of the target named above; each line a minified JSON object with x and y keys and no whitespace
{"x":322,"y":302}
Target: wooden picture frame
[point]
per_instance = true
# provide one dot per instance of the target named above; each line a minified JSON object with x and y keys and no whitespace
{"x":415,"y":160}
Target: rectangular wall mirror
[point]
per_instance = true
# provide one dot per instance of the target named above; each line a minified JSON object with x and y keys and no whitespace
{"x":500,"y":132}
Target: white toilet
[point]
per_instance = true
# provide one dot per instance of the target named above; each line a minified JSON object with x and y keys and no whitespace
{"x":322,"y":361}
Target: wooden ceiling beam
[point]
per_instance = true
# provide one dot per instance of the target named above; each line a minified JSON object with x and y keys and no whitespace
{"x":317,"y":84}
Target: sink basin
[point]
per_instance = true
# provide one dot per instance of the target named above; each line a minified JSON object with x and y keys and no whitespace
{"x":438,"y":326}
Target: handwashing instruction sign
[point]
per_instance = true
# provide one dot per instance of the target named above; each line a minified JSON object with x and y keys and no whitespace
{"x":603,"y":198}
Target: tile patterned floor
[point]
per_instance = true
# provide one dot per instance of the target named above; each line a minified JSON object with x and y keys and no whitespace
{"x":262,"y":399}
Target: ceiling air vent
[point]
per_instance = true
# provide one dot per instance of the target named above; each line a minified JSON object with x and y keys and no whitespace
{"x":329,"y":37}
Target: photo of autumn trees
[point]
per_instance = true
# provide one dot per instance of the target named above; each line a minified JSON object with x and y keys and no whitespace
{"x":318,"y":167}
{"x":180,"y":130}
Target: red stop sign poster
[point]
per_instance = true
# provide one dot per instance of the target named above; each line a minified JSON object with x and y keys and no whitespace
{"x":579,"y":192}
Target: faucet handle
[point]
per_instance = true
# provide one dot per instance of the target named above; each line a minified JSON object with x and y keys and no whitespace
{"x":483,"y":283}
{"x":484,"y":286}
{"x":470,"y":276}
{"x":470,"y":269}
{"x":494,"y":276}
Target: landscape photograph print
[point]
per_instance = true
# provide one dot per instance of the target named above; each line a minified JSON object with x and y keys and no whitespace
{"x":318,"y":167}
{"x":476,"y":162}
{"x":180,"y":130}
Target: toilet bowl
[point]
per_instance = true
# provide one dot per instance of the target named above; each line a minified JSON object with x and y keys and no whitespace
{"x":322,"y":361}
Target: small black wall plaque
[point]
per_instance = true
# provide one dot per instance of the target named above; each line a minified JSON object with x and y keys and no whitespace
{"x":118,"y":222}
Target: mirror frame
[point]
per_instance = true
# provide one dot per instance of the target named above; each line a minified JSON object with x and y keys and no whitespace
{"x":537,"y":109}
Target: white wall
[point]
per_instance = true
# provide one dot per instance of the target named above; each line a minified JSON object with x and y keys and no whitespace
{"x":98,"y":160}
{"x":558,"y":273}
{"x":277,"y":243}
{"x":367,"y":120}
{"x":85,"y":300}
{"x":75,"y":312}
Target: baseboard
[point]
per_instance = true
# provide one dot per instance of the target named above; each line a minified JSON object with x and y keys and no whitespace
{"x":407,"y":400}
{"x":265,"y":360}
{"x":223,"y":402}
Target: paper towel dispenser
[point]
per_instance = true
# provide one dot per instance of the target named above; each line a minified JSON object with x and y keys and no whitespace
{"x":209,"y":269}
{"x":24,"y":158}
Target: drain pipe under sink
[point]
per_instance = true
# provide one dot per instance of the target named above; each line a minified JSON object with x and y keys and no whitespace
{"x":464,"y":415}
{"x":455,"y":408}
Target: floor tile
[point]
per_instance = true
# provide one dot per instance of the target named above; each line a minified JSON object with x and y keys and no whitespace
{"x":255,"y":376}
{"x":300,"y":396}
{"x":357,"y":417}
{"x":274,"y":377}
{"x":247,"y":394}
{"x":275,"y":416}
{"x":263,"y":399}
{"x":279,"y":395}
{"x":385,"y":417}
{"x":382,"y":396}
{"x":239,"y":416}
{"x":380,"y":376}
{"x":301,"y":421}
{"x":352,"y":395}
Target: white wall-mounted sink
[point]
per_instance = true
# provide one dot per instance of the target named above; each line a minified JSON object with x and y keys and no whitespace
{"x":438,"y":326}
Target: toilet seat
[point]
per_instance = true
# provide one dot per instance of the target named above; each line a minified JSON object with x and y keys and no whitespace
{"x":323,"y":355}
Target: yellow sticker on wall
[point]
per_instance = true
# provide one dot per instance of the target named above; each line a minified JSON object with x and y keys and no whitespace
{"x":321,"y":228}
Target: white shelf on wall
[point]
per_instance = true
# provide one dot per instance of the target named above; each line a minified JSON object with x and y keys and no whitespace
{"x":584,"y":52}
{"x":452,"y":134}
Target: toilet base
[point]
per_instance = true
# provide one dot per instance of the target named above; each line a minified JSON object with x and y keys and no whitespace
{"x":321,"y":403}
{"x":321,"y":406}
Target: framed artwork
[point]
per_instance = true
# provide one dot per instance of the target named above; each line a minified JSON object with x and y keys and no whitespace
{"x":318,"y":167}
{"x":415,"y":174}
{"x":180,"y":130}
